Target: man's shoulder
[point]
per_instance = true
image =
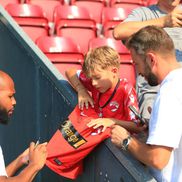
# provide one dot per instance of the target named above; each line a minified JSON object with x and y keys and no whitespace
{"x":144,"y":13}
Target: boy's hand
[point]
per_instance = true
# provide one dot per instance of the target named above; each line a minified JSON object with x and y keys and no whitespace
{"x":84,"y":99}
{"x":105,"y":122}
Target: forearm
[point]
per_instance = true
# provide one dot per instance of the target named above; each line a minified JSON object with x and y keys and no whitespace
{"x":74,"y":80}
{"x":151,"y":155}
{"x":14,"y":166}
{"x":125,"y":29}
{"x":26,"y":175}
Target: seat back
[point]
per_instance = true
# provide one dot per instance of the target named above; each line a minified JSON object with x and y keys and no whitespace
{"x":125,"y":5}
{"x":112,"y":16}
{"x":5,"y":2}
{"x":48,"y":6}
{"x":135,"y":2}
{"x":31,"y":18}
{"x":127,"y":71}
{"x":93,"y":7}
{"x":60,"y":49}
{"x":117,"y":45}
{"x":75,"y":22}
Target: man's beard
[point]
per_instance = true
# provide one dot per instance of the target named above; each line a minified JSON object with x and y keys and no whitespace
{"x":152,"y":79}
{"x":4,"y":118}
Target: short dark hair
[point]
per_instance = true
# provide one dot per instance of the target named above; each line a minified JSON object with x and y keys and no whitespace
{"x":151,"y":38}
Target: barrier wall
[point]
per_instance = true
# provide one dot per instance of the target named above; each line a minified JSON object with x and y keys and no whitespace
{"x":44,"y":99}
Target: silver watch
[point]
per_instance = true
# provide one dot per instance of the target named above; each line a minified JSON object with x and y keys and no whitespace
{"x":125,"y":143}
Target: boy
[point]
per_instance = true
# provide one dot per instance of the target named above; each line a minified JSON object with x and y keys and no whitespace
{"x":98,"y":84}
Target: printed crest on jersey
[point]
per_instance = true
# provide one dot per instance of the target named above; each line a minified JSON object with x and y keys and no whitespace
{"x":114,"y":106}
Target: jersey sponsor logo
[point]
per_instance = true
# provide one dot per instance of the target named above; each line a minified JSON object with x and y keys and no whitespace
{"x":114,"y":106}
{"x":71,"y":135}
{"x":96,"y":131}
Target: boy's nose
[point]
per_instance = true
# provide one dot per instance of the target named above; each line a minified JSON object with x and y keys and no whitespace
{"x":94,"y":82}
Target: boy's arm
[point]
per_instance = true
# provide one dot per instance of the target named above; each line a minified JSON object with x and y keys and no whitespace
{"x":108,"y":122}
{"x":84,"y":98}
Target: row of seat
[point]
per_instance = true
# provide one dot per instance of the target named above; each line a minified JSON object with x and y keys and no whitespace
{"x":93,"y":6}
{"x":69,"y":21}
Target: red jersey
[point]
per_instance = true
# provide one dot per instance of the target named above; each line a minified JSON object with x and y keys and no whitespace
{"x":73,"y":142}
{"x":118,"y":107}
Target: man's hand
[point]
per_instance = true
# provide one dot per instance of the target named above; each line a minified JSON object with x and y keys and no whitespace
{"x":24,"y":157}
{"x":37,"y":155}
{"x":173,"y":19}
{"x":105,"y":122}
{"x":84,"y":99}
{"x":118,"y":134}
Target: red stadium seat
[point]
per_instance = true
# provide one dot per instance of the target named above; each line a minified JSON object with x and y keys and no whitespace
{"x":135,"y":2}
{"x":128,"y":71}
{"x":151,"y":2}
{"x":94,"y":7}
{"x":75,"y":22}
{"x":5,"y":2}
{"x":111,"y":17}
{"x":127,"y":68}
{"x":60,"y":49}
{"x":117,"y":45}
{"x":48,"y":6}
{"x":124,"y":5}
{"x":62,"y":67}
{"x":62,"y":52}
{"x":31,"y":18}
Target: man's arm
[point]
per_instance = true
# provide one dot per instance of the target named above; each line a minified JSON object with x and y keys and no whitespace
{"x":37,"y":159}
{"x":125,"y":29}
{"x":84,"y":98}
{"x":21,"y":160}
{"x":151,"y":155}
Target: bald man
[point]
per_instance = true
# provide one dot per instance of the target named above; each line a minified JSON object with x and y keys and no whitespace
{"x":35,"y":155}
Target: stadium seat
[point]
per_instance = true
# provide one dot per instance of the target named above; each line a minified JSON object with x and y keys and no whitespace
{"x":127,"y":71}
{"x":62,"y":67}
{"x":60,"y":49}
{"x":122,"y":2}
{"x":48,"y":6}
{"x":75,"y":22}
{"x":124,"y":5}
{"x":31,"y":18}
{"x":111,"y":17}
{"x":117,"y":45}
{"x":94,"y":7}
{"x":127,"y":68}
{"x":150,"y":2}
{"x":5,"y":2}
